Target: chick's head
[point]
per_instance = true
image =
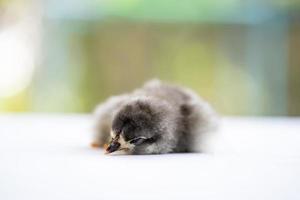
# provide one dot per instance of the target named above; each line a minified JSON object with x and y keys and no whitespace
{"x":135,"y":126}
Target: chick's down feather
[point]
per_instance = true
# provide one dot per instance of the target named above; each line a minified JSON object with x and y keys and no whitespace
{"x":157,"y":118}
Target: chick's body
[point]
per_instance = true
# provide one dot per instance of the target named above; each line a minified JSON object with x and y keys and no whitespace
{"x":157,"y":118}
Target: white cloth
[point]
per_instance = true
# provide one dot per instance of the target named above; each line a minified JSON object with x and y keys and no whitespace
{"x":47,"y":157}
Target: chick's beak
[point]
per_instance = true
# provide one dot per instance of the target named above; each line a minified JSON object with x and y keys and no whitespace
{"x":113,"y":146}
{"x":117,"y":144}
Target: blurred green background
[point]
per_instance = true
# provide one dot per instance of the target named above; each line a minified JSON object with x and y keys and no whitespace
{"x":66,"y":56}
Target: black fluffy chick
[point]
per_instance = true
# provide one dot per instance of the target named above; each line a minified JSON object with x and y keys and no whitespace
{"x":157,"y":118}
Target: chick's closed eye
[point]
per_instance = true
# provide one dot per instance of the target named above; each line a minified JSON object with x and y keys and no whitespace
{"x":138,"y":140}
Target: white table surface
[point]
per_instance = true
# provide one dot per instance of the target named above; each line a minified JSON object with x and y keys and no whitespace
{"x":48,"y":157}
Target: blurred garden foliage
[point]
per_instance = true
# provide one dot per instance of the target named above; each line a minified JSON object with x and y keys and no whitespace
{"x":242,"y":56}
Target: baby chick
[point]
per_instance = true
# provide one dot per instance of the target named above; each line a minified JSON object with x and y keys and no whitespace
{"x":155,"y":119}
